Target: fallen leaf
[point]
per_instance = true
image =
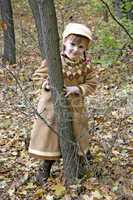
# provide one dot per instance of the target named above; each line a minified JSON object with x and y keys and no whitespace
{"x":96,"y":194}
{"x":6,"y":124}
{"x":49,"y":197}
{"x":115,"y":187}
{"x":58,"y":189}
{"x":67,"y":197}
{"x":4,"y":25}
{"x":3,"y":184}
{"x":11,"y":191}
{"x":87,"y":197}
{"x":39,"y":193}
{"x":115,"y":152}
{"x":107,"y":197}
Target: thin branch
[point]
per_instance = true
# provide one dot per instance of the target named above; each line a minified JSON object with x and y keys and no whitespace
{"x":107,"y":6}
{"x":35,"y":111}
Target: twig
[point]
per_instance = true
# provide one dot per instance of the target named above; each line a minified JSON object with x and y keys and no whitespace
{"x":35,"y":111}
{"x":107,"y":6}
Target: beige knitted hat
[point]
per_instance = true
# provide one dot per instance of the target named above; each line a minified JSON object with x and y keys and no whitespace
{"x":78,"y":29}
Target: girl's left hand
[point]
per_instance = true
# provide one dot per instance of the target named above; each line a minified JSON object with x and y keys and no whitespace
{"x":71,"y":90}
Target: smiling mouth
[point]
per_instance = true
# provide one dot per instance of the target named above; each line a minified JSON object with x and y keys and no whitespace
{"x":73,"y":53}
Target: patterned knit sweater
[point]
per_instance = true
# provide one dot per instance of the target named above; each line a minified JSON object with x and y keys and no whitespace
{"x":78,"y":73}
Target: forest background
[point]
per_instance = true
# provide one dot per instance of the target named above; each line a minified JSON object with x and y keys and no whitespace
{"x":109,"y":111}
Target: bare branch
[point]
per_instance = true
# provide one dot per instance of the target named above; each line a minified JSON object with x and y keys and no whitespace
{"x":123,"y":27}
{"x":33,"y":108}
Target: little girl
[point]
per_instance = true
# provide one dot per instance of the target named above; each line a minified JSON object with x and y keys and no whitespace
{"x":80,"y":81}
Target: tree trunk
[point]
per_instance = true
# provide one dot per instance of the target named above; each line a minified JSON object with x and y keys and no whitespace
{"x":35,"y":11}
{"x":118,"y":8}
{"x":8,"y":29}
{"x":63,"y":116}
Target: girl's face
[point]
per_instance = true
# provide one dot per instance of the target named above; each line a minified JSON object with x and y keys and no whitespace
{"x":75,"y":46}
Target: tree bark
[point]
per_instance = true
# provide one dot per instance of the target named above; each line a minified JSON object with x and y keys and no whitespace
{"x":63,"y":116}
{"x":35,"y":11}
{"x":8,"y":30}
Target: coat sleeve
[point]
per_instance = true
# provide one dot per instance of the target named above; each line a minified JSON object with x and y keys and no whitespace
{"x":90,"y":82}
{"x":40,"y":75}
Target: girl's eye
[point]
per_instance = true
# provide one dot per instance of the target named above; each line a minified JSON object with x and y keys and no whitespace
{"x":73,"y":44}
{"x":81,"y":47}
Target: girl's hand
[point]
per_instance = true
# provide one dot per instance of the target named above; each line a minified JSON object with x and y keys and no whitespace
{"x":46,"y":85}
{"x":71,"y":90}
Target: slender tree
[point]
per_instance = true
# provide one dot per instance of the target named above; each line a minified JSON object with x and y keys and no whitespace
{"x":8,"y":30}
{"x":118,"y":8}
{"x":69,"y":150}
{"x":36,"y":15}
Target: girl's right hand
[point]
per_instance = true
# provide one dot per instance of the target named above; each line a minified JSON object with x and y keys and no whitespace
{"x":46,"y":85}
{"x":71,"y":90}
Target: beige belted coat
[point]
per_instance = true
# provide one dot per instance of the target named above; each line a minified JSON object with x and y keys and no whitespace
{"x":44,"y":143}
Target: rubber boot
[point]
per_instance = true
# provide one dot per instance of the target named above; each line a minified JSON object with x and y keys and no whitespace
{"x":89,"y":156}
{"x":83,"y":164}
{"x":44,"y":172}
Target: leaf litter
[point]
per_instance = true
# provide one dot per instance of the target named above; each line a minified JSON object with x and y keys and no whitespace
{"x":110,"y":114}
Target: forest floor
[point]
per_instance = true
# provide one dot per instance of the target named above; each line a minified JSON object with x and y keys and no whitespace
{"x":110,"y":175}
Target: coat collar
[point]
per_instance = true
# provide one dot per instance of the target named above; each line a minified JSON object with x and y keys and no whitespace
{"x":68,"y":61}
